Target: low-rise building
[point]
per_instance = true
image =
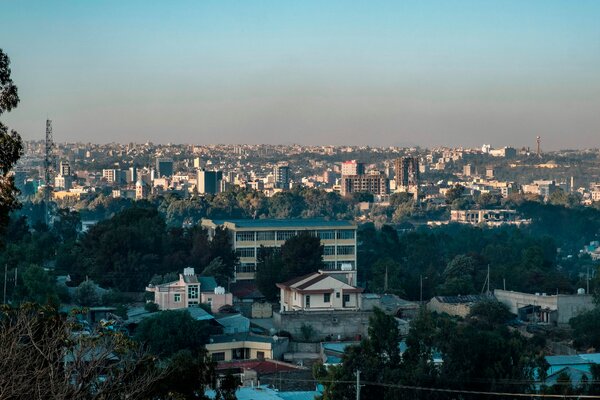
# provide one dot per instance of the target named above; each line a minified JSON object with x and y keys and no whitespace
{"x":458,"y":306}
{"x":540,"y":307}
{"x":318,"y":292}
{"x":487,"y":217}
{"x":246,"y":346}
{"x":189,"y":291}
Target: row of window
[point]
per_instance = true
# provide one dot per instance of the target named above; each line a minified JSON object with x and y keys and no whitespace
{"x":333,"y":265}
{"x":285,"y":235}
{"x":327,"y":251}
{"x":341,"y":250}
{"x":327,"y":298}
{"x":244,"y":267}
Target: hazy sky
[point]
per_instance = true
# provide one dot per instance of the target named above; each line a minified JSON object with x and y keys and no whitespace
{"x":312,"y":72}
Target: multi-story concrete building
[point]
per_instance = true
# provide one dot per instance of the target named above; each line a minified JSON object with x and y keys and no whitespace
{"x":281,"y":173}
{"x":375,"y":182}
{"x":353,"y":167}
{"x":113,"y":175}
{"x":487,"y":217}
{"x":164,"y":167}
{"x":337,"y":237}
{"x":209,"y":181}
{"x":407,"y":172}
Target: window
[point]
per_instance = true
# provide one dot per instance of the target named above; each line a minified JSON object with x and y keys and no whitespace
{"x":345,"y":250}
{"x":337,"y":295}
{"x":329,"y":265}
{"x":193,"y":292}
{"x":260,"y":355}
{"x":262,"y":236}
{"x":244,"y":236}
{"x":326,"y":235}
{"x":177,"y":297}
{"x":327,"y":297}
{"x":307,"y":297}
{"x":328,"y":250}
{"x":245,"y":267}
{"x":346,"y":299}
{"x":285,"y":235}
{"x":220,"y":356}
{"x":342,"y":263}
{"x":245,"y":252}
{"x":345,"y":234}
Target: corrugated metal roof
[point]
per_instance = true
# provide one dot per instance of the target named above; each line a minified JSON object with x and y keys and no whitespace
{"x":460,"y":299}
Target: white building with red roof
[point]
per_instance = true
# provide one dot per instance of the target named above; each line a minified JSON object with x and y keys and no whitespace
{"x":319,"y":291}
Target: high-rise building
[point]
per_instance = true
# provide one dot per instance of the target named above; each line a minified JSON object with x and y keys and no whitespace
{"x":64,"y":168}
{"x":164,"y":167}
{"x":375,"y":182}
{"x":132,"y":175}
{"x":141,"y":190}
{"x":353,"y":167}
{"x":197,"y":163}
{"x":281,"y":172}
{"x":63,"y":181}
{"x":468,"y":170}
{"x":407,"y":172}
{"x":209,"y":181}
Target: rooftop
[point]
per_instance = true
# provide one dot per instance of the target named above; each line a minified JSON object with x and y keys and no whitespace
{"x":284,"y":223}
{"x":240,"y":337}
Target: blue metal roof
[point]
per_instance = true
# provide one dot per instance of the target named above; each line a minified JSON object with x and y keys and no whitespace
{"x":566,"y":360}
{"x":338,"y":347}
{"x":285,"y":223}
{"x":207,"y":283}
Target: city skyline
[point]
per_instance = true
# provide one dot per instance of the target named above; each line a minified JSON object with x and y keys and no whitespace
{"x":415,"y":73}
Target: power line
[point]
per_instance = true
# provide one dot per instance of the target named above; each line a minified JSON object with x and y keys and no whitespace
{"x":456,"y":391}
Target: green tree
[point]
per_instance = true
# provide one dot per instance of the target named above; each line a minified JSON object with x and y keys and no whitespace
{"x":269,"y":272}
{"x":40,"y":285}
{"x":491,"y":312}
{"x":11,"y":146}
{"x":86,"y":294}
{"x":168,"y":332}
{"x":454,"y":193}
{"x":301,"y":254}
{"x":586,"y":329}
{"x":189,"y":375}
{"x":221,"y":246}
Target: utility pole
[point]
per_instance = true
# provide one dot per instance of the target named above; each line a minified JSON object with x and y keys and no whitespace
{"x":488,"y":280}
{"x":5,"y":273}
{"x":358,"y":384}
{"x":421,"y":291}
{"x":385,"y":282}
{"x":587,"y":281}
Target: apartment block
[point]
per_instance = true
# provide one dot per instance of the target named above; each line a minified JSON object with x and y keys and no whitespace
{"x":337,"y":237}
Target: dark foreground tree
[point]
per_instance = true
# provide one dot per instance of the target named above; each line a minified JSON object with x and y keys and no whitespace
{"x":41,"y":358}
{"x":11,"y":146}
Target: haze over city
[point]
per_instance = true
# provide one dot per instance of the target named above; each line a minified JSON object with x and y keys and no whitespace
{"x":379,"y":73}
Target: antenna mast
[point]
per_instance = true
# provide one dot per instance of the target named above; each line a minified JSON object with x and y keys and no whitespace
{"x":48,"y":168}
